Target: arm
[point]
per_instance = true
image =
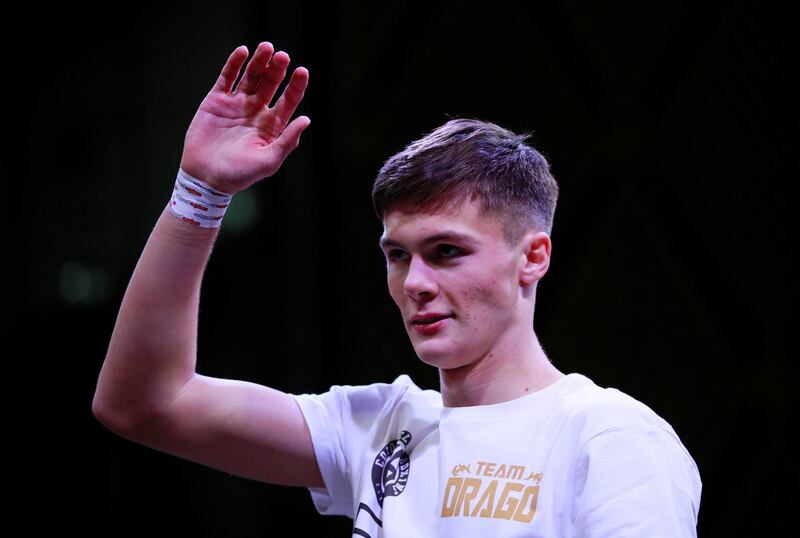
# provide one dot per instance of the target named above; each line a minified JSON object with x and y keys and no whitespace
{"x":148,"y":390}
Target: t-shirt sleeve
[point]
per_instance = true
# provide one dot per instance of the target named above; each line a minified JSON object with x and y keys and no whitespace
{"x":636,"y":481}
{"x":323,"y":417}
{"x":340,"y":422}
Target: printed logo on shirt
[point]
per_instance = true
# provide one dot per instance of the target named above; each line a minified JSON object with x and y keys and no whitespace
{"x":366,"y":523}
{"x":486,"y":489}
{"x":391,"y":467}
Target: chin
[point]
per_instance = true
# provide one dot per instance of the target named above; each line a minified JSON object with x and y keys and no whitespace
{"x":437,"y":356}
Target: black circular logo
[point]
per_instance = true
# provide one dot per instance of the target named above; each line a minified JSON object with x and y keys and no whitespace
{"x":390,"y":469}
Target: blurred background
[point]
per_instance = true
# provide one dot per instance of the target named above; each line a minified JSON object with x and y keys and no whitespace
{"x":671,"y":127}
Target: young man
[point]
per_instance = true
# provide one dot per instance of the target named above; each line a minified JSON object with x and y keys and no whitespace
{"x":510,"y":446}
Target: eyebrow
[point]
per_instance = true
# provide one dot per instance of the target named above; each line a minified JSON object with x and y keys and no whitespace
{"x":444,"y":236}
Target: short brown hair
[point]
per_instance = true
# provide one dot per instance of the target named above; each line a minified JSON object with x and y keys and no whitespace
{"x":470,"y":157}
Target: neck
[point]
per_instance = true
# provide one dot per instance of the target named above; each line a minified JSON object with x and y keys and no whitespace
{"x":499,"y":375}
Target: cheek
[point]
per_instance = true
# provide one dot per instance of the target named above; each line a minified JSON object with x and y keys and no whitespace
{"x":487,"y":304}
{"x":480,"y":302}
{"x":395,"y":286}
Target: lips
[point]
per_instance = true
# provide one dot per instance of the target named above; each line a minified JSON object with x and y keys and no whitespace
{"x":430,"y":324}
{"x":428,"y":319}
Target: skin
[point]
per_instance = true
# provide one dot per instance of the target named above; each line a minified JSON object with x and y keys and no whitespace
{"x":487,"y":351}
{"x":235,"y":137}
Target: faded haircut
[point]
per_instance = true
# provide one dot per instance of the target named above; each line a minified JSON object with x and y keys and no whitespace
{"x":475,"y":159}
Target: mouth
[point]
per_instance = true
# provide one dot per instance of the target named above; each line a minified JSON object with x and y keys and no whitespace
{"x":429,"y":319}
{"x":430,"y":324}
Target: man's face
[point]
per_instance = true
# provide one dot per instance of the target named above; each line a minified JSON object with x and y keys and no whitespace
{"x":455,"y":280}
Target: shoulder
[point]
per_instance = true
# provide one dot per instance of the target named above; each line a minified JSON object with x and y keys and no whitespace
{"x":629,"y":461}
{"x":595,"y":410}
{"x":375,"y":397}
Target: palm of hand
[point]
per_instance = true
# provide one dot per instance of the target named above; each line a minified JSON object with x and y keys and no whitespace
{"x":235,"y":138}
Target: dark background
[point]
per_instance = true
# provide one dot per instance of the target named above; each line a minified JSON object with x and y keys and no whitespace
{"x":671,"y":128}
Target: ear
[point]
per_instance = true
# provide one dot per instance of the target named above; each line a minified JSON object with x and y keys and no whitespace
{"x":534,"y":257}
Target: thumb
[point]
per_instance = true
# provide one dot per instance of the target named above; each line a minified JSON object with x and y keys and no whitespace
{"x":282,"y":146}
{"x":289,"y":139}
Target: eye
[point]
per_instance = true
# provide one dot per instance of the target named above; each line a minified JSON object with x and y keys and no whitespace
{"x":397,"y":255}
{"x":449,"y":251}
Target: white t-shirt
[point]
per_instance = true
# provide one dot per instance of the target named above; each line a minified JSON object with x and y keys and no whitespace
{"x":570,"y":460}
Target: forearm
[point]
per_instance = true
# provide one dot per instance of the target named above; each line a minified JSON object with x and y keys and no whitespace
{"x":153,"y":348}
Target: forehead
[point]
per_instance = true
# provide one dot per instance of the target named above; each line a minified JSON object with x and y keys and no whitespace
{"x":407,"y":223}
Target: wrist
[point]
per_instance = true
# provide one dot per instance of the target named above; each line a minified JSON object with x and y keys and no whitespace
{"x":196,"y":202}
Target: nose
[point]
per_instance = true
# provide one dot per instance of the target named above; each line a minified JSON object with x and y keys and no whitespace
{"x":420,"y":281}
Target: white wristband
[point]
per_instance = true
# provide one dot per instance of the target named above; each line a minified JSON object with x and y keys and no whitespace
{"x":196,"y":202}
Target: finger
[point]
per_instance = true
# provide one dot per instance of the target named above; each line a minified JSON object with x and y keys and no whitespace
{"x":256,"y":68}
{"x":292,"y":95}
{"x":289,"y":139}
{"x":272,"y":77}
{"x":230,"y":70}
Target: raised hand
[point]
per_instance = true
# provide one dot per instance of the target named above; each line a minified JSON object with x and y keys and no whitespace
{"x":235,"y":138}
